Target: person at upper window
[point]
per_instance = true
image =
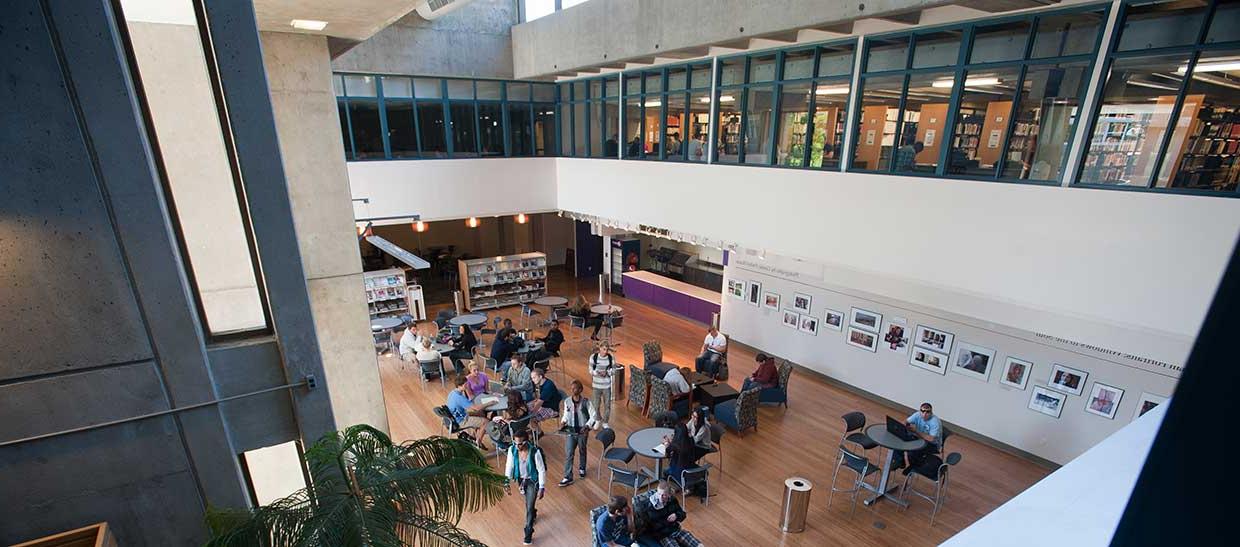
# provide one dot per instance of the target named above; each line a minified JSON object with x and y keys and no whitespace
{"x":410,"y":342}
{"x":676,"y":377}
{"x":906,"y":156}
{"x":714,"y":347}
{"x":926,"y":425}
{"x":697,"y":147}
{"x":765,"y":377}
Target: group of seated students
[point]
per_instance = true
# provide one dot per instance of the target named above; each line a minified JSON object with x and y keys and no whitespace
{"x":417,"y":347}
{"x":655,"y":519}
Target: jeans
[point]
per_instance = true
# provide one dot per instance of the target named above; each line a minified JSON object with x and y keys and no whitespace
{"x":915,"y":457}
{"x":575,"y":443}
{"x":750,"y":384}
{"x":531,"y":497}
{"x":708,"y":363}
{"x":601,"y":398}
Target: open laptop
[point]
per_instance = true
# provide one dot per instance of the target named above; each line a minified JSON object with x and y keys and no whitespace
{"x":897,"y":428}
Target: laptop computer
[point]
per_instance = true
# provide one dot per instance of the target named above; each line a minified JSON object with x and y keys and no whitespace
{"x":897,"y":428}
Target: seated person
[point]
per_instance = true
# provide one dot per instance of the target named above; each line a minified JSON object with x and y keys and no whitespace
{"x":463,"y":345}
{"x":465,"y":413}
{"x":926,"y":425}
{"x":498,"y":428}
{"x":699,"y":430}
{"x":676,"y":377}
{"x":517,"y":377}
{"x":613,"y":526}
{"x":714,"y":347}
{"x":554,"y":338}
{"x":477,"y":382}
{"x":661,"y":517}
{"x":766,"y":376}
{"x":503,"y":348}
{"x":505,"y":330}
{"x":426,"y":354}
{"x":546,"y":402}
{"x":410,"y":341}
{"x":680,"y":451}
{"x":581,"y":308}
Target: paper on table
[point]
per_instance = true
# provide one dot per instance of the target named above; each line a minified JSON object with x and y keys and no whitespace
{"x":660,"y":448}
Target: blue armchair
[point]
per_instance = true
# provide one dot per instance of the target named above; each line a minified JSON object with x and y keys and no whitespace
{"x":740,"y":413}
{"x":778,"y":394}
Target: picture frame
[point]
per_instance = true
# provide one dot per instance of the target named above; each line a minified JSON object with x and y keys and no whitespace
{"x":862,"y":339}
{"x":754,"y":297}
{"x":1067,"y":379}
{"x":833,"y":320}
{"x":1146,"y":403}
{"x":933,"y":339}
{"x":930,"y":360}
{"x":809,"y":324}
{"x":792,"y":319}
{"x":1016,"y":373}
{"x":865,"y":320}
{"x":896,"y":336}
{"x":1047,"y":401}
{"x":736,"y":288}
{"x":801,"y":302}
{"x":1104,"y":400}
{"x":973,"y":361}
{"x":770,"y":300}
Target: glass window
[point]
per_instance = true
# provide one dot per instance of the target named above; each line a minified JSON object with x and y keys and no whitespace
{"x":1161,"y":24}
{"x":633,"y":128}
{"x":519,"y":128}
{"x":464,"y":143}
{"x":342,"y":111}
{"x":674,"y":134}
{"x":759,"y":116}
{"x":460,"y":89}
{"x":830,"y":115}
{"x":1132,"y":121}
{"x":923,"y":123}
{"x":699,"y":77}
{"x":338,"y":85}
{"x":1002,"y":42}
{"x":566,"y":130}
{"x":654,"y":82}
{"x":1049,"y":101}
{"x":835,"y":60}
{"x":597,"y":138}
{"x":489,"y":90}
{"x":359,"y":86}
{"x":887,"y":54}
{"x":612,"y":87}
{"x":982,"y":120}
{"x":538,"y":8}
{"x":652,"y":131}
{"x":544,"y":130}
{"x":876,"y":128}
{"x":611,"y":142}
{"x":579,"y":130}
{"x":698,"y":127}
{"x":544,"y":92}
{"x":1225,"y":25}
{"x":491,"y":129}
{"x":798,"y":64}
{"x":596,"y":89}
{"x":402,"y":138}
{"x":1203,"y":151}
{"x":397,"y":87}
{"x":518,"y":91}
{"x":633,"y":85}
{"x":731,"y":71}
{"x":937,"y":49}
{"x":578,"y":90}
{"x":1067,"y":34}
{"x":793,"y":125}
{"x":728,"y":127}
{"x":675,"y":79}
{"x":427,"y":88}
{"x":367,"y":133}
{"x":431,"y":128}
{"x":762,"y":68}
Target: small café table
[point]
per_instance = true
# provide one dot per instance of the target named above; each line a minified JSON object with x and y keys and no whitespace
{"x":644,"y":442}
{"x":474,"y":320}
{"x":887,"y":440}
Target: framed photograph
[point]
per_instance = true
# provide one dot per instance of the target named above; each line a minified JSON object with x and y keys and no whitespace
{"x":866,"y":320}
{"x":933,"y":339}
{"x":1046,"y":401}
{"x":792,"y":319}
{"x":973,"y":361}
{"x":833,"y":320}
{"x":932,"y":361}
{"x":809,"y":324}
{"x":736,"y":289}
{"x":896,"y":338}
{"x":755,"y":293}
{"x":1147,"y":403}
{"x":862,"y":339}
{"x":801,"y":302}
{"x":770,"y":300}
{"x":1016,"y":373}
{"x":1067,"y":380}
{"x":1104,"y":400}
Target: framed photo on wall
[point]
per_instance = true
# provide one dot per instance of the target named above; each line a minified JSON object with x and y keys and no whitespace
{"x":1016,"y":373}
{"x":866,"y":320}
{"x":755,"y":293}
{"x":1104,"y":400}
{"x":770,"y":300}
{"x":833,"y":320}
{"x":1046,"y":401}
{"x":809,"y":324}
{"x":932,"y":361}
{"x":1148,"y":402}
{"x":933,"y":339}
{"x":1067,"y":380}
{"x":896,"y":337}
{"x":792,"y":319}
{"x":736,"y":288}
{"x":973,"y":361}
{"x":801,"y":302}
{"x":862,"y":339}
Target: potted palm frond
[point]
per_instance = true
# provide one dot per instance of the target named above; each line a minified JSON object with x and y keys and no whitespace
{"x":370,"y":492}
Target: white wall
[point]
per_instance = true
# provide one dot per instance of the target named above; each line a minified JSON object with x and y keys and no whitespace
{"x":451,"y":189}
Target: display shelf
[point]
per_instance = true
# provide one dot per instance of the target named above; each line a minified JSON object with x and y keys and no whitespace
{"x":480,"y":276}
{"x":1209,"y":158}
{"x":387,"y":291}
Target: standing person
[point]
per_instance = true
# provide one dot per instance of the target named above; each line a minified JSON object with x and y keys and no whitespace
{"x":410,"y":341}
{"x":926,"y":425}
{"x":578,"y":418}
{"x":526,"y":467}
{"x":765,"y":377}
{"x":465,"y":413}
{"x":697,"y":147}
{"x":906,"y":156}
{"x":601,"y":368}
{"x":613,"y":526}
{"x":714,"y":347}
{"x":664,"y":517}
{"x":463,"y":345}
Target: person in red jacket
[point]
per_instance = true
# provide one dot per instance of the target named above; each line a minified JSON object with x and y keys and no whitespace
{"x":766,"y":375}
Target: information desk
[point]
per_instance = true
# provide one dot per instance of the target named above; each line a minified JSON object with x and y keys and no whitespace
{"x":669,"y":294}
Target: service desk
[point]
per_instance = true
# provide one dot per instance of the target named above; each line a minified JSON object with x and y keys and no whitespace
{"x":669,"y":294}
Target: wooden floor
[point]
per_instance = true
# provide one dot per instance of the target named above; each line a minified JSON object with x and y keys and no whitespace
{"x":745,"y":502}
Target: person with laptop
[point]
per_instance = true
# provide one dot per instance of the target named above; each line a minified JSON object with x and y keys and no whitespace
{"x":926,"y":426}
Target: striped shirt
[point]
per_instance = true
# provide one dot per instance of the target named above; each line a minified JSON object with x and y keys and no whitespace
{"x":604,"y":368}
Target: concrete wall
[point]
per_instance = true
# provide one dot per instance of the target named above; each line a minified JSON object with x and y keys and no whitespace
{"x":299,"y":76}
{"x":474,"y":40}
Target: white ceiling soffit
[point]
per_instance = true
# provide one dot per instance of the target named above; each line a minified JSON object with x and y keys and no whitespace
{"x":352,"y":19}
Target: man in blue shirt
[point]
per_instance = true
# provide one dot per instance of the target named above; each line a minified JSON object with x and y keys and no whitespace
{"x":926,"y":425}
{"x":612,"y":526}
{"x":464,"y":412}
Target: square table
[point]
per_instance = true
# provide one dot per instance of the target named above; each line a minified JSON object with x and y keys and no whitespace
{"x":696,"y":379}
{"x":713,"y":394}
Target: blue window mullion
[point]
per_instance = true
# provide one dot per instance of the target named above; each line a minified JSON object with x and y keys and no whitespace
{"x":953,"y":105}
{"x":383,"y":128}
{"x":447,"y":116}
{"x":777,"y":89}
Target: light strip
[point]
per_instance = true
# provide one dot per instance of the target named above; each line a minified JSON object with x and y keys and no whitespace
{"x":967,"y":82}
{"x":839,"y":90}
{"x":1215,"y":66}
{"x":308,"y":24}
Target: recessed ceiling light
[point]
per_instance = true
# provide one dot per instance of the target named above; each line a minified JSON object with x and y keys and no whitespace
{"x":308,"y":24}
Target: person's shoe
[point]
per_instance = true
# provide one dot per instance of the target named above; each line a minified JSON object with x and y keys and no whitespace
{"x":529,"y":540}
{"x":566,"y":481}
{"x":581,"y":472}
{"x":907,"y":470}
{"x":606,"y":425}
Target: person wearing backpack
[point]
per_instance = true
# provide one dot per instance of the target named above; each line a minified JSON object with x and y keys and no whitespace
{"x":602,"y":365}
{"x":527,"y":468}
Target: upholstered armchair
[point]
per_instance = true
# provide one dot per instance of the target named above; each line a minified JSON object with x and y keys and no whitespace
{"x":740,"y":413}
{"x":663,"y":399}
{"x":778,"y":394}
{"x":653,"y":352}
{"x":639,"y":384}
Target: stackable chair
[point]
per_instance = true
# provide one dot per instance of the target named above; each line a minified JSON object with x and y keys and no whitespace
{"x":860,"y":466}
{"x":934,"y":470}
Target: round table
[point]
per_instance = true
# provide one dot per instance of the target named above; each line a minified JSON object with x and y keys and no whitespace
{"x":885,"y":439}
{"x":531,"y":345}
{"x":441,"y":348}
{"x":604,"y":309}
{"x":474,"y":320}
{"x":551,"y":301}
{"x":497,"y":402}
{"x":385,"y":323}
{"x":644,"y":441}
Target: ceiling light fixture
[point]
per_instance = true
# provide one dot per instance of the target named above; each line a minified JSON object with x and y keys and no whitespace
{"x":472,"y":222}
{"x":419,"y":226}
{"x":967,"y":82}
{"x":308,"y":24}
{"x":839,"y":90}
{"x":1215,"y":66}
{"x":521,"y":218}
{"x":726,"y":98}
{"x":652,"y":103}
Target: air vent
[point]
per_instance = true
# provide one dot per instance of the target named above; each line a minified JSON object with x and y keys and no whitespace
{"x":434,"y":9}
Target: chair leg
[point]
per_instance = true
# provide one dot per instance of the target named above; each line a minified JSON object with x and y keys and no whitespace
{"x":904,"y":489}
{"x":855,"y":490}
{"x":834,"y":474}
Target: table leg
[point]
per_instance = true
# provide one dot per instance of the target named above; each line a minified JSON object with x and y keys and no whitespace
{"x":882,"y":490}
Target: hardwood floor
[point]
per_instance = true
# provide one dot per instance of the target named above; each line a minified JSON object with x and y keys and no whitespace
{"x":745,"y":503}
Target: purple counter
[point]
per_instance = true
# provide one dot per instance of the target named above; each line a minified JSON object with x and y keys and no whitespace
{"x":669,"y":294}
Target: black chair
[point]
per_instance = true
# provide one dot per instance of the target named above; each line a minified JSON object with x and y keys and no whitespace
{"x":521,"y":424}
{"x":607,"y":437}
{"x":691,"y":477}
{"x":527,"y":313}
{"x":716,"y":440}
{"x":854,"y":422}
{"x":667,"y":418}
{"x":626,"y":477}
{"x":453,"y":428}
{"x":859,"y":465}
{"x":934,"y":469}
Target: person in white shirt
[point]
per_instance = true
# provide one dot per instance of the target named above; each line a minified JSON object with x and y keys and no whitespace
{"x":426,"y":353}
{"x":714,"y":347}
{"x":410,"y":342}
{"x":578,"y":418}
{"x":676,"y":377}
{"x":601,"y":369}
{"x":526,"y":467}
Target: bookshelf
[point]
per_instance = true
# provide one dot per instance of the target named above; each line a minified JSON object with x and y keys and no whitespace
{"x":1116,"y":148}
{"x":386,"y":292}
{"x":500,"y":281}
{"x":1208,"y":157}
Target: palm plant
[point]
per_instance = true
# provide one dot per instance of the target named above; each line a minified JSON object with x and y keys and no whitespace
{"x":369,"y":492}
